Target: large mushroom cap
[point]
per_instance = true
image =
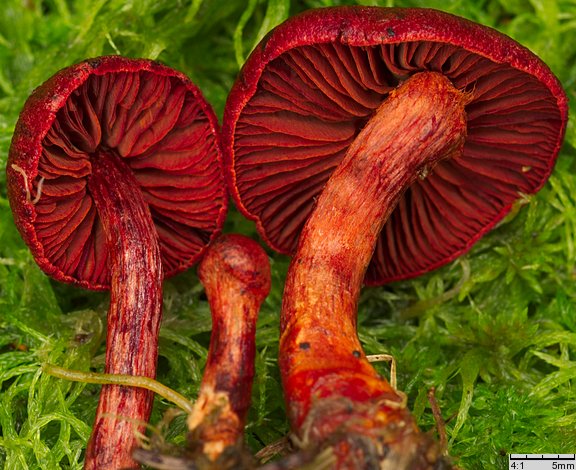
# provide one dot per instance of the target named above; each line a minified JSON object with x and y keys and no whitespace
{"x":308,"y":89}
{"x":157,"y":121}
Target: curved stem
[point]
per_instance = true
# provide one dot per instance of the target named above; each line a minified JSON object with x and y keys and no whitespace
{"x":330,"y":387}
{"x":134,"y":314}
{"x":119,"y":379}
{"x":235,"y":272}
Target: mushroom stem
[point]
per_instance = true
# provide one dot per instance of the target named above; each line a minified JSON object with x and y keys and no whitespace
{"x":134,"y":315}
{"x":334,"y":396}
{"x":236,"y":275}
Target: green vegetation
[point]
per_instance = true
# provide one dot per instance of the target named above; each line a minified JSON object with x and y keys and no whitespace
{"x":494,"y":332}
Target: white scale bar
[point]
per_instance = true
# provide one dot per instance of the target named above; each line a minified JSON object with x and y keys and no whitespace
{"x":542,"y":462}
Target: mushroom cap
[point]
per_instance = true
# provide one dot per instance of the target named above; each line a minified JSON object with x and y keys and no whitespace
{"x":309,"y":87}
{"x":152,"y":116}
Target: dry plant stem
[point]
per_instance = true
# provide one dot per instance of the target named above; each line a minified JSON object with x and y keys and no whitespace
{"x":235,"y":272}
{"x":118,"y":379}
{"x":440,"y":423}
{"x":330,"y":387}
{"x":134,"y":314}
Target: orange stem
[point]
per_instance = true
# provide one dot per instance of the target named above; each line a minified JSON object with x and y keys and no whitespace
{"x":235,"y":272}
{"x":330,"y":387}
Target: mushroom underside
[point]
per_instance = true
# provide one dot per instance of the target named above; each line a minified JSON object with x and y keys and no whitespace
{"x":312,"y":101}
{"x":158,"y":128}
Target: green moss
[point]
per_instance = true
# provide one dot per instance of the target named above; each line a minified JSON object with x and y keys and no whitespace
{"x":494,"y":332}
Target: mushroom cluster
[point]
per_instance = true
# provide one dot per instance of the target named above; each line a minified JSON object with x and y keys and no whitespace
{"x":370,"y":144}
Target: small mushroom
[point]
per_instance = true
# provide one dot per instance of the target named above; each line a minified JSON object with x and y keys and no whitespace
{"x":374,"y":145}
{"x":235,"y":272}
{"x":115,"y":181}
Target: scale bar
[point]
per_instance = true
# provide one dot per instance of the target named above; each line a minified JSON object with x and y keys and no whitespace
{"x":542,"y":457}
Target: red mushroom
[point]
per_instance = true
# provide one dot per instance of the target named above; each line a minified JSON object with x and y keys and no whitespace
{"x":235,"y":272}
{"x":389,"y":141}
{"x":115,"y":180}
